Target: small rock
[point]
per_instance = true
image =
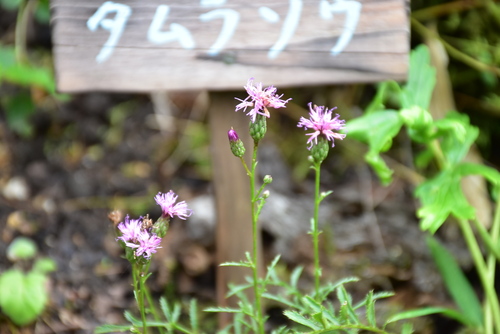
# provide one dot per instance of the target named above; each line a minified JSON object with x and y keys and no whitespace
{"x":16,"y":189}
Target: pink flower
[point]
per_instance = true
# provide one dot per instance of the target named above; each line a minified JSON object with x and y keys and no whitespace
{"x":259,"y":99}
{"x":130,"y":229}
{"x":148,"y":244}
{"x":170,"y":208}
{"x":322,"y":123}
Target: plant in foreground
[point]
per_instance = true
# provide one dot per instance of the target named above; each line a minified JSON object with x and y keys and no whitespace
{"x":313,"y":312}
{"x":23,"y":294}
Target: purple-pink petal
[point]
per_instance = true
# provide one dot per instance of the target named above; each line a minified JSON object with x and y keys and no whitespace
{"x":170,"y":208}
{"x":130,"y":229}
{"x":321,"y":121}
{"x":260,"y":99}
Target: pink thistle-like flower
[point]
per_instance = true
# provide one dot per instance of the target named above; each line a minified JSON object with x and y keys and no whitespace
{"x":131,"y":229}
{"x":322,"y":123}
{"x":232,"y":135}
{"x":170,"y":208}
{"x":260,"y":99}
{"x":148,"y":244}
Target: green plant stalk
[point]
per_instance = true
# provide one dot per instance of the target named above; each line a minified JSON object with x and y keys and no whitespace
{"x":482,"y":271}
{"x":491,"y":266}
{"x":315,"y":231}
{"x":152,"y":306}
{"x":139,"y":293}
{"x":453,"y":52}
{"x":255,"y":231}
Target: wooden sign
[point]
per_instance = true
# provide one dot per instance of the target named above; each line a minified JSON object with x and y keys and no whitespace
{"x":147,"y":45}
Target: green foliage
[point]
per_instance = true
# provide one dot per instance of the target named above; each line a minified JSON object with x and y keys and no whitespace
{"x":445,"y":142}
{"x":22,"y":296}
{"x":21,"y":249}
{"x":460,"y":289}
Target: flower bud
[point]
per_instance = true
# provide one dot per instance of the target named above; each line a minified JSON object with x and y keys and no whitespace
{"x":268,"y":179}
{"x":160,"y":227}
{"x":320,"y":150}
{"x":235,"y":143}
{"x":258,"y":128}
{"x":266,"y":194}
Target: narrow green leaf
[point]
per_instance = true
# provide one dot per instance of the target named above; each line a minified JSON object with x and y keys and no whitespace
{"x":165,"y":309}
{"x":280,"y":299}
{"x":294,"y":277}
{"x":410,"y":314}
{"x":193,"y":314}
{"x":407,"y":328}
{"x":456,"y":283}
{"x":236,"y":264}
{"x":112,"y":329}
{"x":222,"y":310}
{"x":300,"y":319}
{"x":370,"y":309}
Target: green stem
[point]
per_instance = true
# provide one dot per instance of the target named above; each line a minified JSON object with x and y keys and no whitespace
{"x":138,"y":279}
{"x":315,"y":231}
{"x":453,"y":52}
{"x":482,"y":270}
{"x":152,"y":307}
{"x":255,"y":231}
{"x":491,"y":266}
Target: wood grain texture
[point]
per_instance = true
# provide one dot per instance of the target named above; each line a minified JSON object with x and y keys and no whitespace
{"x":377,"y":51}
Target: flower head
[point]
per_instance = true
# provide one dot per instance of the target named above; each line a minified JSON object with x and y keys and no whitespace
{"x":259,"y":99}
{"x":320,"y":120}
{"x":235,"y":143}
{"x":232,"y":135}
{"x":170,"y":208}
{"x":148,"y":244}
{"x":130,"y":229}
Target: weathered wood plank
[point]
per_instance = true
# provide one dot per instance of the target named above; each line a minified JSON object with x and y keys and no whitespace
{"x":294,"y":50}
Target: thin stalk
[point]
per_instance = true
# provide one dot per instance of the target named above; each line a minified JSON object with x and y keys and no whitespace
{"x":482,"y":270}
{"x":491,"y":266}
{"x":315,"y":231}
{"x":139,"y":294}
{"x":452,"y":51}
{"x":255,"y":230}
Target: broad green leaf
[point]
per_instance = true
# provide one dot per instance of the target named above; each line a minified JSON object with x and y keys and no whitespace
{"x":300,"y":319}
{"x":440,"y":197}
{"x":459,"y":288}
{"x":22,"y":296}
{"x":488,"y":173}
{"x":10,"y":5}
{"x":29,"y":76}
{"x":457,"y":135}
{"x":377,"y":129}
{"x":44,"y":265}
{"x":19,"y":108}
{"x":419,"y":122}
{"x":407,"y":328}
{"x":421,"y":80}
{"x":21,"y":249}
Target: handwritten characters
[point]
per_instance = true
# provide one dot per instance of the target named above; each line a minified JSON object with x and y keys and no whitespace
{"x":230,"y":20}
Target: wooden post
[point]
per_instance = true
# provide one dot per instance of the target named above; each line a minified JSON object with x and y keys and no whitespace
{"x":232,"y":193}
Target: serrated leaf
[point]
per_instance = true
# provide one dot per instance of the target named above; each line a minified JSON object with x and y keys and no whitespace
{"x":370,"y":309}
{"x":377,"y":129}
{"x":300,"y":319}
{"x":457,"y":284}
{"x":421,"y":80}
{"x":280,"y":299}
{"x":193,"y":314}
{"x":419,"y":123}
{"x":440,"y":197}
{"x":457,"y":135}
